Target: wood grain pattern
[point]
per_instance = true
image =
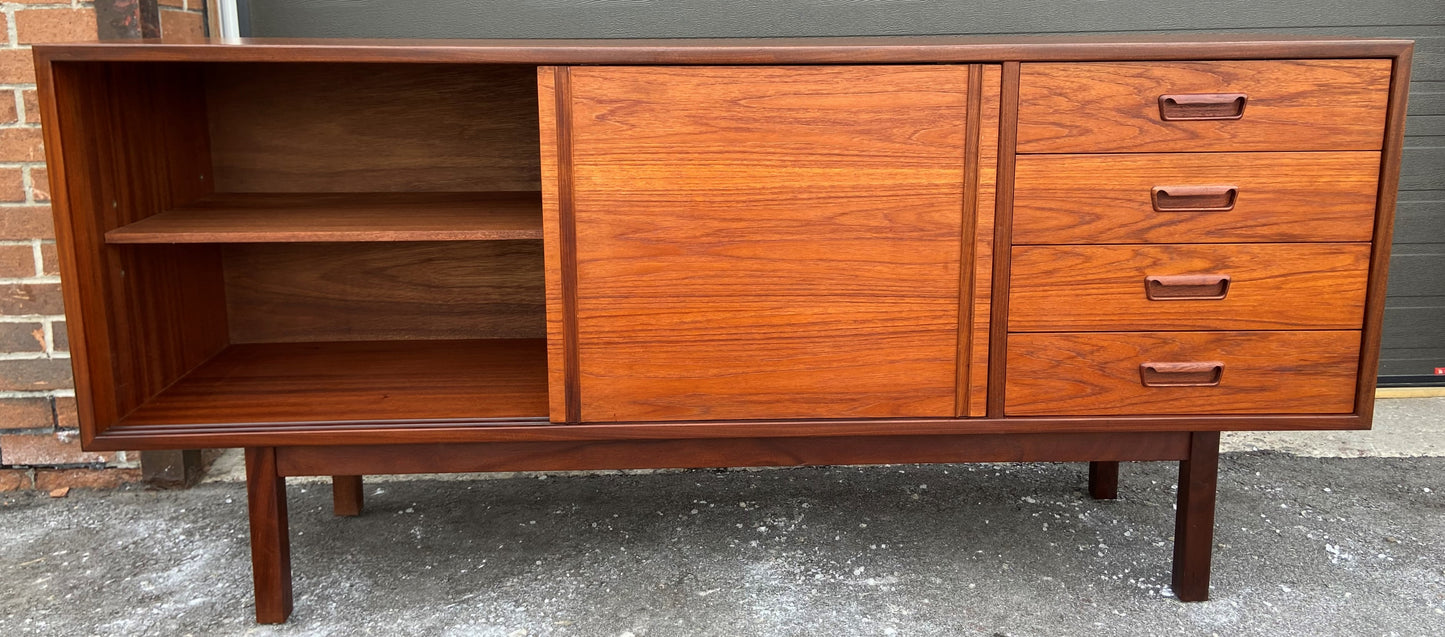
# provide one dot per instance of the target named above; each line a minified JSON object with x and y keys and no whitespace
{"x":301,"y":292}
{"x":810,"y":50}
{"x":368,"y":127}
{"x":1002,"y":233}
{"x":308,"y":217}
{"x":1114,"y":107}
{"x":1273,"y":286}
{"x":270,"y":538}
{"x":1104,"y":480}
{"x":755,"y":452}
{"x":1282,"y":197}
{"x":139,"y":318}
{"x":370,"y":381}
{"x":1384,"y":236}
{"x":464,"y":430}
{"x":347,"y":496}
{"x":1194,"y":517}
{"x":552,"y":243}
{"x":567,"y":249}
{"x":980,"y":296}
{"x":768,"y":242}
{"x":1097,"y":373}
{"x":970,"y":221}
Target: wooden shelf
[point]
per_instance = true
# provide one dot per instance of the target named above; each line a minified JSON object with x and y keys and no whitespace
{"x":357,"y":381}
{"x":337,"y":217}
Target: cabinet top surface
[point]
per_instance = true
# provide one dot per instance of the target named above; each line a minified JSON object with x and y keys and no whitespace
{"x":730,"y":51}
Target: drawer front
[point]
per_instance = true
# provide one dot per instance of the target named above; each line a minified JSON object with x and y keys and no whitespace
{"x":1177,"y":287}
{"x":1246,"y":105}
{"x":1195,"y":197}
{"x":1121,"y":373}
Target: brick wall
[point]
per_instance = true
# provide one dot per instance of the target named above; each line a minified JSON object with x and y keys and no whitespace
{"x":39,"y":443}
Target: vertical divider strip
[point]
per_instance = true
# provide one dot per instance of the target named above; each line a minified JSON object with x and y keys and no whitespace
{"x":1002,"y":237}
{"x":969,"y":227}
{"x":568,"y":248}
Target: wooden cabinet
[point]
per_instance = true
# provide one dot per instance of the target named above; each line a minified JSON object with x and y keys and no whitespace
{"x":362,"y":257}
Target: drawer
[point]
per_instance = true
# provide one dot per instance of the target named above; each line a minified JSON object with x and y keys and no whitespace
{"x":1122,"y":373}
{"x":1203,"y":106}
{"x":1263,"y":286}
{"x":1196,"y":197}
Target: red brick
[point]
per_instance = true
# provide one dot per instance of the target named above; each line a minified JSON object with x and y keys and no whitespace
{"x":40,"y":184}
{"x":8,"y":114}
{"x":52,"y":479}
{"x":65,"y":413}
{"x":48,"y":449}
{"x":26,"y":413}
{"x":16,"y":67}
{"x":15,"y":480}
{"x":54,"y":25}
{"x":21,"y":337}
{"x":36,"y":374}
{"x":182,"y":25}
{"x":32,"y":105}
{"x":17,"y":262}
{"x":49,"y":260}
{"x":179,"y":4}
{"x":21,"y":144}
{"x":60,"y":336}
{"x":12,"y":181}
{"x":30,"y":298}
{"x":26,"y":222}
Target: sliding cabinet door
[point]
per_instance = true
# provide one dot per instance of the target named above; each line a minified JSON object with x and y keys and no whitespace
{"x":756,"y":242}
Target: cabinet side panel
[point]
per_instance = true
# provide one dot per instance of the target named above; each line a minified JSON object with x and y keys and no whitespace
{"x":1394,"y":141}
{"x":551,"y":243}
{"x":133,"y":140}
{"x":987,"y":190}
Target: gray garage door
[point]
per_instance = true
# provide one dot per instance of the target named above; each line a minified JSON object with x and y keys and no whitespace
{"x":1414,"y":339}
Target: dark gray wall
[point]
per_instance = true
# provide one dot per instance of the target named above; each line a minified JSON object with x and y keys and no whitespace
{"x":1414,"y":341}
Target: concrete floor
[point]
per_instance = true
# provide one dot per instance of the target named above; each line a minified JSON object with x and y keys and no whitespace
{"x":1305,"y":545}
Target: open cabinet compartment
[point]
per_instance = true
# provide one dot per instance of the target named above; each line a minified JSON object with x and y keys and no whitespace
{"x":262,"y":246}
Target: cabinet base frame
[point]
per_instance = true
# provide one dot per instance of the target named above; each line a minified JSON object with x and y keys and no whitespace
{"x":268,"y":467}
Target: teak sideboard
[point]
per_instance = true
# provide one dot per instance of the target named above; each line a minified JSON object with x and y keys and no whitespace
{"x":367,"y":257}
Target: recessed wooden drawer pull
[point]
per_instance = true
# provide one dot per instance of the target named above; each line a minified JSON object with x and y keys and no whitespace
{"x":1194,"y":198}
{"x":1200,"y":374}
{"x":1201,"y":106}
{"x":1187,"y":287}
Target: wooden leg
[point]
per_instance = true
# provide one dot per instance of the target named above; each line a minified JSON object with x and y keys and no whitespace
{"x":346,"y":496}
{"x":270,"y":540}
{"x":1104,"y":480}
{"x":1194,"y":517}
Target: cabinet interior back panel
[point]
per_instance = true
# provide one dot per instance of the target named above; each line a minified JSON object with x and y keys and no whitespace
{"x":298,"y":292}
{"x":768,"y":242}
{"x":373,"y":127}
